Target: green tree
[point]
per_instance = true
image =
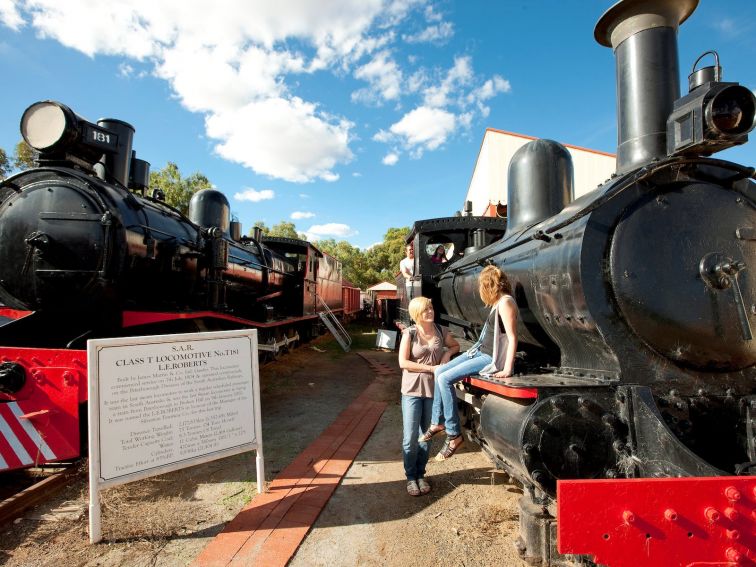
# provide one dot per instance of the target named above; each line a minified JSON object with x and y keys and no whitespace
{"x":285,"y":229}
{"x":4,"y":164}
{"x":353,"y":263}
{"x":383,"y":259}
{"x":24,"y":157}
{"x":178,"y":190}
{"x":366,"y":268}
{"x":261,"y":225}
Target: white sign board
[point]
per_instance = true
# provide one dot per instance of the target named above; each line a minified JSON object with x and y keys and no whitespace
{"x":386,"y":339}
{"x":162,"y":403}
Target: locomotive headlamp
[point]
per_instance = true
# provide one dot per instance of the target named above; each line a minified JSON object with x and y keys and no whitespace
{"x":713,"y":116}
{"x":731,"y":111}
{"x":52,"y":128}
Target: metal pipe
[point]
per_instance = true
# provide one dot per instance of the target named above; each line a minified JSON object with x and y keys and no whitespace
{"x":643,"y":35}
{"x":116,"y":165}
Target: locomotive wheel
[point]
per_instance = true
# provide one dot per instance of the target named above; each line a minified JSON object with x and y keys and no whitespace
{"x":568,"y":436}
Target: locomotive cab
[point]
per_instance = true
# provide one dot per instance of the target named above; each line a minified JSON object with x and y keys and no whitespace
{"x":458,"y":236}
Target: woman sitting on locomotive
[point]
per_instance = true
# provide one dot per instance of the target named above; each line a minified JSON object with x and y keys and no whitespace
{"x":493,"y":354}
{"x":420,"y":352}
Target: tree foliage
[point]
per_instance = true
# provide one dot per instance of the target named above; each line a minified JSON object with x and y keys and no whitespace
{"x":262,"y":226}
{"x":361,"y":267}
{"x":4,"y":164}
{"x":178,"y":190}
{"x":285,"y":229}
{"x":24,"y":156}
{"x":368,"y":267}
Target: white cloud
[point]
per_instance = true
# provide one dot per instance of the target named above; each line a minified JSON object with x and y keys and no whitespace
{"x":423,"y":128}
{"x":296,"y":215}
{"x":304,"y":196}
{"x":241,"y":67}
{"x":390,"y":159}
{"x":451,"y":100}
{"x":9,"y":15}
{"x":726,"y":26}
{"x":438,"y":34}
{"x":384,"y":79}
{"x":125,"y":70}
{"x":488,"y":90}
{"x":236,"y":61}
{"x":284,"y":138}
{"x":331,"y":229}
{"x":458,"y":76}
{"x":254,"y":195}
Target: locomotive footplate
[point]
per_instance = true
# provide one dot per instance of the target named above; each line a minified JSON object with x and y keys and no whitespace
{"x":547,"y":380}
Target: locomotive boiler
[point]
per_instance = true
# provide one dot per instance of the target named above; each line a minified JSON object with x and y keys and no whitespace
{"x":637,"y":307}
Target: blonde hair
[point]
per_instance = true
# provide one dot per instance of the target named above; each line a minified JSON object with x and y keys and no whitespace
{"x":492,"y":284}
{"x":417,"y":306}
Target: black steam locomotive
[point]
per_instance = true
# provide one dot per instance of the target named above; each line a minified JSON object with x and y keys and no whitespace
{"x":637,"y":301}
{"x":81,"y":243}
{"x":85,"y":253}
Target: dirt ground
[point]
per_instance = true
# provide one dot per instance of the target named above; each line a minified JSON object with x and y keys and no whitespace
{"x":470,"y":517}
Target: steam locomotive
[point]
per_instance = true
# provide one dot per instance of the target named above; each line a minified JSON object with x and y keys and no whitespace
{"x":637,"y":304}
{"x":86,"y":251}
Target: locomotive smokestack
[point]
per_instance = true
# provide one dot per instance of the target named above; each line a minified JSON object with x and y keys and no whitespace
{"x":643,"y":35}
{"x":116,"y":165}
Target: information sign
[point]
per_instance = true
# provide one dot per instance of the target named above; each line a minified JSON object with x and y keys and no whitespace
{"x":161,"y":403}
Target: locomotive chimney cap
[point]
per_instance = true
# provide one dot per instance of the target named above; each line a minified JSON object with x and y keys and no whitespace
{"x":629,"y":17}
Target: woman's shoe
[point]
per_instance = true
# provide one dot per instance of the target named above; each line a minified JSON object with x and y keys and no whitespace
{"x":412,"y":488}
{"x":450,"y":447}
{"x":432,"y":431}
{"x":423,"y":485}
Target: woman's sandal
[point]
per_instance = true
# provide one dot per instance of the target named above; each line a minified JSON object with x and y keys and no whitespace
{"x":424,"y":486}
{"x":431,"y":433}
{"x":412,"y":488}
{"x":448,"y":449}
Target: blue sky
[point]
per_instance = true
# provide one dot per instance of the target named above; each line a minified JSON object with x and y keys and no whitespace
{"x":345,"y":117}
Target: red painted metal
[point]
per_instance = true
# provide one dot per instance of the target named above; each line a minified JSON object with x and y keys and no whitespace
{"x":507,"y":391}
{"x":40,"y":422}
{"x":13,"y":313}
{"x":669,"y":522}
{"x":350,"y":299}
{"x":135,"y":318}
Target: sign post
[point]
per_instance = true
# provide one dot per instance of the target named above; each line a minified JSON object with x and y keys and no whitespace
{"x":162,"y":403}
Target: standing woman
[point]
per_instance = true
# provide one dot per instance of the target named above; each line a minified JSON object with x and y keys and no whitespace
{"x":494,"y":353}
{"x":420,"y":352}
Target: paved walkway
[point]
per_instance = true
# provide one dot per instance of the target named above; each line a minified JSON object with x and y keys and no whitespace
{"x":269,"y":529}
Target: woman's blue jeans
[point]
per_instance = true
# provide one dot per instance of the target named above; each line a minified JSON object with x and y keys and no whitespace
{"x":444,"y":394}
{"x":416,"y":416}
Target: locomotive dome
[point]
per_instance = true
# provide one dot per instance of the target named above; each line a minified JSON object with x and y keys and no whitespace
{"x":210,"y":208}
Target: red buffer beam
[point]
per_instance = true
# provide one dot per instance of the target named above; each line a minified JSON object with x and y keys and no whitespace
{"x":40,"y":422}
{"x":670,"y":522}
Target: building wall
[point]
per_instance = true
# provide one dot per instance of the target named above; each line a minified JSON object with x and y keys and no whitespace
{"x":488,"y":185}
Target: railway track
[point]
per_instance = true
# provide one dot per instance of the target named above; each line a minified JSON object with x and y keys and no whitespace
{"x":27,"y":488}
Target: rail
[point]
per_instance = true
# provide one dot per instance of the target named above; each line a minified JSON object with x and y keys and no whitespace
{"x":333,"y":325}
